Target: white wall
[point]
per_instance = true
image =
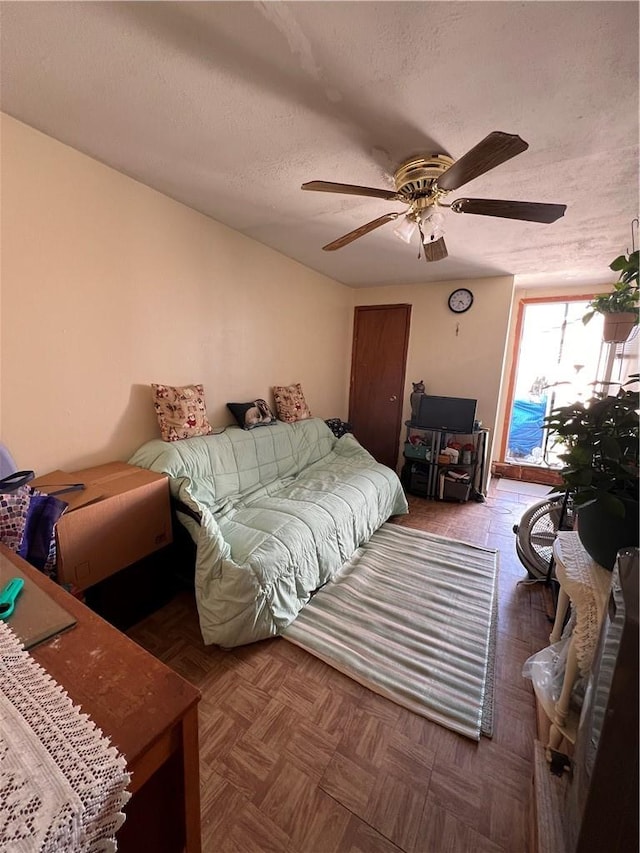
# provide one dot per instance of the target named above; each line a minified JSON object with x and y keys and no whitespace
{"x":107,"y":286}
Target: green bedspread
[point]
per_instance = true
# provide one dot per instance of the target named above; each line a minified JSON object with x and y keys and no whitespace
{"x":282,"y":508}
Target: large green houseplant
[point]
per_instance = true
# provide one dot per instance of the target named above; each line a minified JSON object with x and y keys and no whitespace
{"x":600,"y":469}
{"x":620,"y":306}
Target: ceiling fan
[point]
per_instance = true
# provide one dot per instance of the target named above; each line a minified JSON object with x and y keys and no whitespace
{"x":423,"y":182}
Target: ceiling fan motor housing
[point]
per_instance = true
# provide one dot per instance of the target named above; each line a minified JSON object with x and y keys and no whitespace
{"x":415,"y":177}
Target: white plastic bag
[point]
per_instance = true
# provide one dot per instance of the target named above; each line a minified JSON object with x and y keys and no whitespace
{"x":546,"y":669}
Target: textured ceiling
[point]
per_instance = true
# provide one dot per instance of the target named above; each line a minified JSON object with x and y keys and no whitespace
{"x":229,"y":107}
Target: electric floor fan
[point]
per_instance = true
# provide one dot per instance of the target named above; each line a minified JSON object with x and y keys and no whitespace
{"x":536,"y":533}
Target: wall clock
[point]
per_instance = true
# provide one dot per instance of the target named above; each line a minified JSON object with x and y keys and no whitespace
{"x":460,"y":300}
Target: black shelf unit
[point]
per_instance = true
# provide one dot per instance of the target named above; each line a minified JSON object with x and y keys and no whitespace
{"x":423,"y":473}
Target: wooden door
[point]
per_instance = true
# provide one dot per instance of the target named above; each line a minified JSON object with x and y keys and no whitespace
{"x":378,"y":361}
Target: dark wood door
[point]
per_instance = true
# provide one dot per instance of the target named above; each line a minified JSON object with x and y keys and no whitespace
{"x":378,"y":361}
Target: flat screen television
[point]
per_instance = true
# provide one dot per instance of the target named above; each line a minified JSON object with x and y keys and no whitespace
{"x":453,"y":414}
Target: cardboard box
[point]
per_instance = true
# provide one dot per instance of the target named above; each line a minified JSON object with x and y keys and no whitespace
{"x":122,"y":515}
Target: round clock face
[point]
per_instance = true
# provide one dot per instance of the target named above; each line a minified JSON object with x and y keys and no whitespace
{"x":460,"y":300}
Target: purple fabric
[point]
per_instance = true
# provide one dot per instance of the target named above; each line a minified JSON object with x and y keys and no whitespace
{"x":27,"y":525}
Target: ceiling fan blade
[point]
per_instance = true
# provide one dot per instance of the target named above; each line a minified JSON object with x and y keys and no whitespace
{"x":349,"y":189}
{"x":496,"y":148}
{"x":529,"y":211}
{"x":360,"y":232}
{"x":435,"y":251}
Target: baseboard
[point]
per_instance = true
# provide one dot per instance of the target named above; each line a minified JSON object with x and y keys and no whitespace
{"x":549,"y":793}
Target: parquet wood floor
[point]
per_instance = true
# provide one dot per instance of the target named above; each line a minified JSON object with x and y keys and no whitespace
{"x":297,"y":758}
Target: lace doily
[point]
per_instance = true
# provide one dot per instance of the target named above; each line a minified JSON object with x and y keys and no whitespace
{"x":587,"y":584}
{"x":62,"y":784}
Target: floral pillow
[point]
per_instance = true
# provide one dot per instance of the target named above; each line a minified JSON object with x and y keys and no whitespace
{"x":290,"y":403}
{"x":253,"y":414}
{"x":181,"y":411}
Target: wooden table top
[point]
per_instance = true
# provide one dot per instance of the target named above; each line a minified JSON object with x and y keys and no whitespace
{"x":130,"y":695}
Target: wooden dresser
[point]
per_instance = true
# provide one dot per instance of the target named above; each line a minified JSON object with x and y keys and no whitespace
{"x":147,"y":711}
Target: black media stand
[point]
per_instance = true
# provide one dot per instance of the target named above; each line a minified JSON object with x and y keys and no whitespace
{"x":429,"y":474}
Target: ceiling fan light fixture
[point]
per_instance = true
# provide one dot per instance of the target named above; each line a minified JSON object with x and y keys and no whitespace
{"x":431,"y":224}
{"x":406,"y":228}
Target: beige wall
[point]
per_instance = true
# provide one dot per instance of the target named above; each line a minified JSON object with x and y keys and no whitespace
{"x":456,"y":355}
{"x":107,"y":286}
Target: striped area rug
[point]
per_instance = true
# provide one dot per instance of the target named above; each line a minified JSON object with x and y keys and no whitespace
{"x":412,"y":616}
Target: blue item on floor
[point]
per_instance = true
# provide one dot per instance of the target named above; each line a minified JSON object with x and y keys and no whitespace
{"x":526,"y":430}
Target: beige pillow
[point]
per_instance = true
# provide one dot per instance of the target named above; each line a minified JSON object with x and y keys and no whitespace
{"x":290,"y":403}
{"x":181,"y":411}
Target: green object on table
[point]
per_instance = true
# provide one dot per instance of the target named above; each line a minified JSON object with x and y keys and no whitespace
{"x":8,"y":595}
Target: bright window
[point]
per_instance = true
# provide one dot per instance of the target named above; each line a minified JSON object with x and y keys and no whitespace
{"x":558,"y":360}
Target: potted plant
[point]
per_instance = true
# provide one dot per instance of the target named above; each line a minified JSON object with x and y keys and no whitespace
{"x":601,"y":468}
{"x":620,"y":306}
